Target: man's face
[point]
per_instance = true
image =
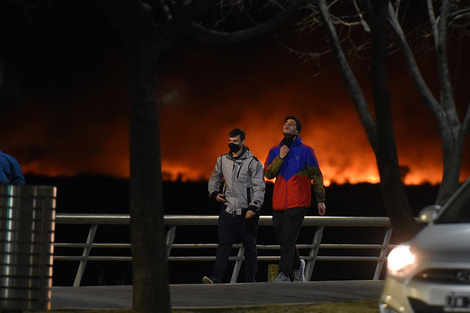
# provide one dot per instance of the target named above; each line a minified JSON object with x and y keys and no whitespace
{"x":290,"y":128}
{"x":236,"y":140}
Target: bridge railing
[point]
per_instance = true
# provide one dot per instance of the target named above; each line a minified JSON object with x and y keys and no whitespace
{"x":174,"y":221}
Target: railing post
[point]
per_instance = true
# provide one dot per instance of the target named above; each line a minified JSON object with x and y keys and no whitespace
{"x":383,"y":253}
{"x":313,"y":253}
{"x":170,"y":238}
{"x":238,"y":265}
{"x":85,"y":255}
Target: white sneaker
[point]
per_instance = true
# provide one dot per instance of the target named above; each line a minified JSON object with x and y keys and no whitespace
{"x":282,"y":278}
{"x":299,"y":275}
{"x":210,"y":280}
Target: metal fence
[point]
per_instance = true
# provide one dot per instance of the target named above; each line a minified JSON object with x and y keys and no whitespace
{"x":174,"y":221}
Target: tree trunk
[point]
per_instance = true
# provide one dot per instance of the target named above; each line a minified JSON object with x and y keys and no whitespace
{"x":452,"y":150}
{"x":149,"y":262}
{"x":380,"y":132}
{"x":451,"y":132}
{"x":395,"y":201}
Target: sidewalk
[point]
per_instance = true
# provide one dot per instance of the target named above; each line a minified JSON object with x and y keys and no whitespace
{"x":221,"y":295}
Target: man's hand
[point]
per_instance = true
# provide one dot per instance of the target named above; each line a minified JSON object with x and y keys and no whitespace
{"x":251,"y":211}
{"x":321,"y":208}
{"x":250,"y":214}
{"x":220,"y":197}
{"x":284,"y":151}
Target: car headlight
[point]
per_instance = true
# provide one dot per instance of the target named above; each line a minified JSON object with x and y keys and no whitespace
{"x":400,"y":260}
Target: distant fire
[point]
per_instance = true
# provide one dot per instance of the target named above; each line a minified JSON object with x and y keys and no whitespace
{"x":194,"y":132}
{"x":87,"y":133}
{"x":355,"y":168}
{"x":187,"y":158}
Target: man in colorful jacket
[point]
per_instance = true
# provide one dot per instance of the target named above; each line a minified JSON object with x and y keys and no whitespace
{"x":294,"y":166}
{"x":241,"y":175}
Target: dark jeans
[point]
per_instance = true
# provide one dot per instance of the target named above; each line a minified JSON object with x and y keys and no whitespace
{"x":233,"y":229}
{"x":287,"y":225}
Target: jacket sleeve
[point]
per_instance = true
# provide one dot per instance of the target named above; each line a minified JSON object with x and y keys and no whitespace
{"x":258,"y":183}
{"x":216,"y":178}
{"x":16,"y":175}
{"x":272,"y":165}
{"x":315,"y":176}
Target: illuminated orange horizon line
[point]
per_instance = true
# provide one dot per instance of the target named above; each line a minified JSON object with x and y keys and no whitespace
{"x":327,"y":183}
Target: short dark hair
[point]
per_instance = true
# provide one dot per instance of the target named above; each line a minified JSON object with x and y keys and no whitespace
{"x":237,"y":131}
{"x":297,"y":122}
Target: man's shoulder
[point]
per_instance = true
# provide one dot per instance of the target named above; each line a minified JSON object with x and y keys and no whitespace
{"x":250,"y":156}
{"x":221,"y":157}
{"x":275,"y":147}
{"x":304,"y":146}
{"x":4,"y":157}
{"x":304,"y":149}
{"x":254,"y":158}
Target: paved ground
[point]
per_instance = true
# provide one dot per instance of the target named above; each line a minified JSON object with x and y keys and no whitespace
{"x":222,"y":295}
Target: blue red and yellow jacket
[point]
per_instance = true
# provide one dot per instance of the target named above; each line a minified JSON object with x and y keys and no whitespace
{"x":294,"y":175}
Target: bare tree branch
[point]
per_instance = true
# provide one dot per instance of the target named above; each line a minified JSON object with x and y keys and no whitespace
{"x":212,"y":36}
{"x":447,"y":96}
{"x":348,"y":76}
{"x":413,"y":68}
{"x":466,"y":123}
{"x":432,"y":20}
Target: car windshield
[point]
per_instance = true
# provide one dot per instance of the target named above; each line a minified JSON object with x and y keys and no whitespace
{"x":457,"y":210}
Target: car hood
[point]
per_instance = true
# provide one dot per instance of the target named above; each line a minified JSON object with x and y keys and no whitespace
{"x":444,"y":241}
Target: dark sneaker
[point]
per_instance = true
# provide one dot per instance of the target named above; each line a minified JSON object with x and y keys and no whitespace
{"x":299,"y":275}
{"x":250,"y":280}
{"x":210,"y":280}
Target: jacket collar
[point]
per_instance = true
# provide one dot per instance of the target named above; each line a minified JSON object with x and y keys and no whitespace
{"x":297,"y":142}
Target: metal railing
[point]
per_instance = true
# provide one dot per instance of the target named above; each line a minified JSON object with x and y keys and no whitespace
{"x":192,"y":220}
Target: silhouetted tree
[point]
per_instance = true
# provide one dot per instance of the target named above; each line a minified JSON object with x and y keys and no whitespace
{"x":443,"y":17}
{"x":380,"y":21}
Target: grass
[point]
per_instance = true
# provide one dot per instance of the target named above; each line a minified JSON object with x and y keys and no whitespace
{"x":337,"y":307}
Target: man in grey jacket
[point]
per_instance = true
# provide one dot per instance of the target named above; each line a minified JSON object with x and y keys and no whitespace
{"x":242,"y":195}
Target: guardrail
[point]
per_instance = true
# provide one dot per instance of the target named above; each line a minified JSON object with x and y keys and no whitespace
{"x":200,"y":220}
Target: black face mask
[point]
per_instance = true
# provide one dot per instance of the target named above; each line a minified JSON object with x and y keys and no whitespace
{"x":233,"y":147}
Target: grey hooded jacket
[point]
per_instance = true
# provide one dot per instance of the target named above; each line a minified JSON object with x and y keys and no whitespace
{"x":243,"y":181}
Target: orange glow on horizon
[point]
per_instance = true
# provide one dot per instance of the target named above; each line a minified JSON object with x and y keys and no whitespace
{"x":185,"y":174}
{"x":198,"y":108}
{"x":336,"y":169}
{"x":340,"y":144}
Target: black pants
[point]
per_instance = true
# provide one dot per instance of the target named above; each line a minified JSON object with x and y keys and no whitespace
{"x":287,"y":225}
{"x":233,"y":229}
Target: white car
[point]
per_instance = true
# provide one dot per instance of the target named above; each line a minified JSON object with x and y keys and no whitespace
{"x":431,"y":273}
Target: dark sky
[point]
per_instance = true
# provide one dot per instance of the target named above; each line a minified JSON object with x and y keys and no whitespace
{"x":64,"y":102}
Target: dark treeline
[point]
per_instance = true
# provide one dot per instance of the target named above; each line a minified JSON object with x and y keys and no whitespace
{"x":103,"y":194}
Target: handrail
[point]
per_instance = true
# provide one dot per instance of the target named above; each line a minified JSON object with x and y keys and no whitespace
{"x":195,"y":220}
{"x":204,"y":220}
